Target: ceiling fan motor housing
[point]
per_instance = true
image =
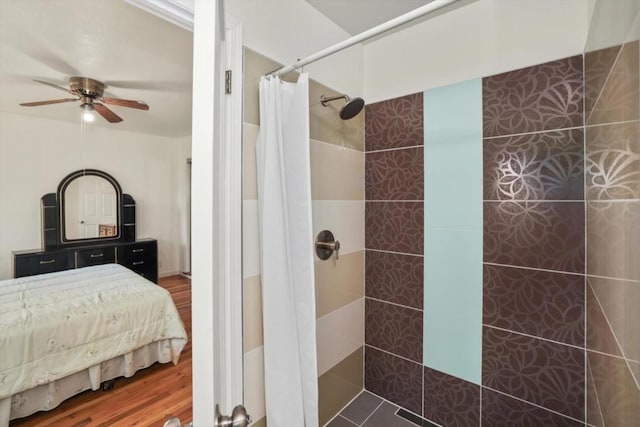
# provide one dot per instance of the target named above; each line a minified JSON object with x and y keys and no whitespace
{"x":86,"y":87}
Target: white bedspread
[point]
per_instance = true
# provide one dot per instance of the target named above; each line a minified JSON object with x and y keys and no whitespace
{"x":53,"y":325}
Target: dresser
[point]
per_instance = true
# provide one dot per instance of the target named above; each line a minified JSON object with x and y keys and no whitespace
{"x":141,"y":256}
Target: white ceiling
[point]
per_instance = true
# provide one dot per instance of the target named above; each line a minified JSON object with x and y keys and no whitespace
{"x":356,"y":16}
{"x":138,"y":56}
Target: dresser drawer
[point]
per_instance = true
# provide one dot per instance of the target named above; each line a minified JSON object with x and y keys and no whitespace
{"x":87,"y":257}
{"x":141,"y":257}
{"x":29,"y":265}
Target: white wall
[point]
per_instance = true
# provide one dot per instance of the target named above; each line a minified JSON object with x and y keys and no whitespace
{"x":287,"y":30}
{"x":480,"y":39}
{"x":36,"y":153}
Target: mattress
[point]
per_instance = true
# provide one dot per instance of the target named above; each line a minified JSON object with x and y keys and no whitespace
{"x":55,"y":325}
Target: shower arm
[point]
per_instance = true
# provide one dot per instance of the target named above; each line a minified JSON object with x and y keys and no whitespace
{"x":325,"y":100}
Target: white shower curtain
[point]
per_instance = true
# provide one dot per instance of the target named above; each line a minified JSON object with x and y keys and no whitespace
{"x":286,"y":239}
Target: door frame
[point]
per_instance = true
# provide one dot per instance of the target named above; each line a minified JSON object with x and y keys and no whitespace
{"x":216,"y":202}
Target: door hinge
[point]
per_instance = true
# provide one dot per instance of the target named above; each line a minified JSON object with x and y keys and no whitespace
{"x":227,"y":82}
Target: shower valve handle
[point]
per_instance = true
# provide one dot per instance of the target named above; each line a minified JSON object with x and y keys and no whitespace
{"x":326,"y":245}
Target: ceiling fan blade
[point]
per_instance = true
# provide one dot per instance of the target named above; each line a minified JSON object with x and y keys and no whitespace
{"x":54,"y":85}
{"x":108,"y":115}
{"x":52,"y":101}
{"x":125,"y":103}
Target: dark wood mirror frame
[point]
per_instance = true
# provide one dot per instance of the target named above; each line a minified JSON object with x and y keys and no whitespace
{"x":53,"y":215}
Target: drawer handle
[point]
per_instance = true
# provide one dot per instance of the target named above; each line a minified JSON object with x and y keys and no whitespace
{"x":51,"y":261}
{"x":138,"y":263}
{"x":135,"y":251}
{"x":96,"y":255}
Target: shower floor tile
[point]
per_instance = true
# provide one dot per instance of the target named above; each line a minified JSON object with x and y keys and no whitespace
{"x":368,"y":410}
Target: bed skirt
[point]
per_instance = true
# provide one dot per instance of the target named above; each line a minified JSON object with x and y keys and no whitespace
{"x":49,"y":396}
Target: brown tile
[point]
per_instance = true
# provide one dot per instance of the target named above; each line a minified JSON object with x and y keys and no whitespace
{"x":252,"y":313}
{"x":620,"y":302}
{"x":618,"y":395}
{"x":336,"y":173}
{"x":542,"y":97}
{"x":361,"y":407}
{"x":450,"y":401}
{"x":499,"y":410}
{"x":395,"y":379}
{"x":542,"y":372}
{"x":393,"y":328}
{"x":548,"y":235}
{"x":597,"y":67}
{"x":540,"y":166}
{"x":395,"y":226}
{"x":540,"y":303}
{"x":613,"y":161}
{"x":394,"y":123}
{"x":339,"y":282}
{"x":619,"y":98}
{"x":635,"y":370}
{"x":339,"y":385}
{"x":613,"y":236}
{"x":599,"y":334}
{"x":395,"y":278}
{"x":325,"y":123}
{"x":395,"y":175}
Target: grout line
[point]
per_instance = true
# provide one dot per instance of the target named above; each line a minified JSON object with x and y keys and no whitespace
{"x":393,"y":252}
{"x":374,"y":411}
{"x":347,"y":420}
{"x":532,"y":133}
{"x":343,"y":408}
{"x":533,"y":404}
{"x":495,"y":264}
{"x":340,"y":147}
{"x":585,"y":192}
{"x":614,"y":356}
{"x":600,"y":201}
{"x":393,"y":354}
{"x":615,"y":337}
{"x":596,"y":392}
{"x":613,"y":278}
{"x":393,"y":149}
{"x":604,"y":85}
{"x":480,"y":415}
{"x":401,"y":407}
{"x":422,"y":372}
{"x":623,"y":122}
{"x":533,"y":336}
{"x":393,"y":303}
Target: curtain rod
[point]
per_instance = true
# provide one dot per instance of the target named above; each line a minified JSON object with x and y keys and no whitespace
{"x":365,"y":35}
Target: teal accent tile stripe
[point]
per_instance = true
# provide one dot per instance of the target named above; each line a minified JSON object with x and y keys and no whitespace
{"x":453,"y":230}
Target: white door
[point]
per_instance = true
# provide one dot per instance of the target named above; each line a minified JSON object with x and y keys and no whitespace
{"x":216,"y":216}
{"x":98,"y":207}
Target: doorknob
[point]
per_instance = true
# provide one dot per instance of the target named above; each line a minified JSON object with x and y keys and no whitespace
{"x":238,"y":418}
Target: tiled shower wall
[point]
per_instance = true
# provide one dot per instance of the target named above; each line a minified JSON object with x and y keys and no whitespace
{"x":549,"y":313}
{"x":337,"y":189}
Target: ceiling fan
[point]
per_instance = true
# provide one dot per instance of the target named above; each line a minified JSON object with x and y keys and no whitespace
{"x":89,"y":92}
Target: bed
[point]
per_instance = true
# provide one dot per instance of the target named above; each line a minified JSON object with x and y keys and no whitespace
{"x":66,"y":332}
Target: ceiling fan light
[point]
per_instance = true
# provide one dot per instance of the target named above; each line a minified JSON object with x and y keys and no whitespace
{"x":88,"y":116}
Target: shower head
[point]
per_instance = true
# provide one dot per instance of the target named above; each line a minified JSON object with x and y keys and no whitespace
{"x":350,"y":109}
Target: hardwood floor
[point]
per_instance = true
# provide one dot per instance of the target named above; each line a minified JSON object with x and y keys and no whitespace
{"x":146,"y":399}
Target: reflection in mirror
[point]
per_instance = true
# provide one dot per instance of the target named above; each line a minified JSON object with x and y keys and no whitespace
{"x":90,"y":207}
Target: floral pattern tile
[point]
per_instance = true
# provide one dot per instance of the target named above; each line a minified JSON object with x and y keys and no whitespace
{"x":395,"y":123}
{"x":393,"y":328}
{"x":540,"y":303}
{"x":547,"y":235}
{"x":533,"y":99}
{"x":395,"y":226}
{"x":618,"y":396}
{"x":619,"y":98}
{"x":542,"y":372}
{"x":541,"y":166}
{"x":450,"y":401}
{"x":613,"y":161}
{"x":395,"y":175}
{"x":395,"y":278}
{"x":395,"y":379}
{"x":597,"y":66}
{"x":499,"y":410}
{"x":613,"y":233}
